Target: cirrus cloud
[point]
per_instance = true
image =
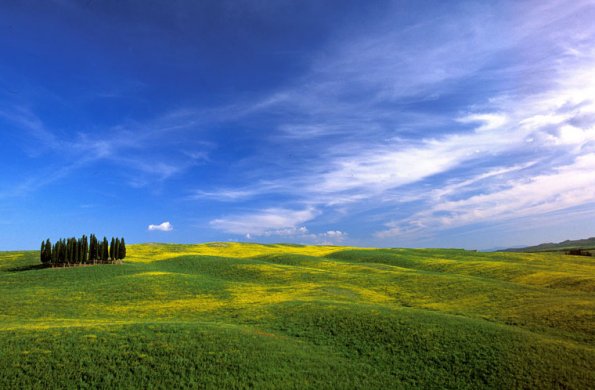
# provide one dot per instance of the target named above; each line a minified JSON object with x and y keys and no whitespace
{"x":263,"y":221}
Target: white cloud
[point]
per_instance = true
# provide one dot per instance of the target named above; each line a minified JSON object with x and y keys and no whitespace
{"x":263,"y":221}
{"x":287,"y":232}
{"x":535,"y":114}
{"x":490,"y":121}
{"x":334,"y":233}
{"x":235,"y":194}
{"x":303,"y":235}
{"x":391,"y":231}
{"x":571,"y":135}
{"x":565,"y":187}
{"x":332,"y":237}
{"x":163,"y":227}
{"x":224,"y":195}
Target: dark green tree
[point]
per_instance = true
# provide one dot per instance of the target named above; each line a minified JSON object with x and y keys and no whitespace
{"x":48,"y":250}
{"x":68,"y":250}
{"x":98,"y":250}
{"x":76,"y":245}
{"x":92,"y":248}
{"x":95,"y":252}
{"x":72,"y":250}
{"x":84,"y":249}
{"x":117,"y":250}
{"x":104,"y":249}
{"x":122,"y":249}
{"x":62,"y":251}
{"x":112,"y":249}
{"x":55,"y":253}
{"x":81,"y":250}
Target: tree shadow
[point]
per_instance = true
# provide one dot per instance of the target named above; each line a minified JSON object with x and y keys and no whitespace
{"x":22,"y":268}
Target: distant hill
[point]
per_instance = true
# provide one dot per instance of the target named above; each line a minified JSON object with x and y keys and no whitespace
{"x":587,"y":243}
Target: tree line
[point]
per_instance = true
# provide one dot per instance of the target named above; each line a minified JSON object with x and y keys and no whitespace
{"x":82,"y":251}
{"x":578,"y":252}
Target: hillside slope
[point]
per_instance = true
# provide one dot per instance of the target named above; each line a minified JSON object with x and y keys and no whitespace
{"x":587,"y":244}
{"x":277,"y":316}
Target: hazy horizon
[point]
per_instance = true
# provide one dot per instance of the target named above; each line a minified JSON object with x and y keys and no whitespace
{"x":388,"y":124}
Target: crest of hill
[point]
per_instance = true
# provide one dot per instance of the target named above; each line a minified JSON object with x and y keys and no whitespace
{"x":587,"y":243}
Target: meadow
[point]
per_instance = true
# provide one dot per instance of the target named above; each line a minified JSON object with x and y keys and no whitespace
{"x":230,"y":315}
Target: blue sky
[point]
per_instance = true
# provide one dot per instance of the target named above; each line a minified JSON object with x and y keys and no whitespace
{"x":386,"y":123}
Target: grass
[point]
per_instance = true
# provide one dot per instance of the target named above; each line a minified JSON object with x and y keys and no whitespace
{"x":285,"y":316}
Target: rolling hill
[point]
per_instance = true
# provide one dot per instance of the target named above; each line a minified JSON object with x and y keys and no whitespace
{"x":586,"y":244}
{"x":229,"y":315}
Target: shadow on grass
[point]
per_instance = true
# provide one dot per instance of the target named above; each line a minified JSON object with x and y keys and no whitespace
{"x":22,"y":268}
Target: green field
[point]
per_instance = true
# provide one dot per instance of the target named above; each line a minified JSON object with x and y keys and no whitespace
{"x":286,"y":316}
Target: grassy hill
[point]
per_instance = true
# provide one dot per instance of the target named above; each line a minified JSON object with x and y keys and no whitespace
{"x":586,"y":244}
{"x":280,"y":316}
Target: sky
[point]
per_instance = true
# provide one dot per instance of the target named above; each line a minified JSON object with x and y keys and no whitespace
{"x":461,"y":124}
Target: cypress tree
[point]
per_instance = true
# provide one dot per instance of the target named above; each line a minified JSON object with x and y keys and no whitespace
{"x":98,"y":250}
{"x":112,"y":249}
{"x":62,"y":251}
{"x":117,"y":251}
{"x":55,"y":254}
{"x":81,"y":250}
{"x":94,"y":251}
{"x":68,"y":250}
{"x":76,"y":250}
{"x":92,"y":248}
{"x":46,"y":252}
{"x":122,"y":251}
{"x":42,"y":253}
{"x":85,"y":249}
{"x":105,"y":249}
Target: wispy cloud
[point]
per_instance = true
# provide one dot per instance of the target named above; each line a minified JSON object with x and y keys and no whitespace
{"x":403,"y":125}
{"x":239,"y":193}
{"x":519,"y":132}
{"x":302,"y":235}
{"x":24,"y":119}
{"x":145,"y":152}
{"x":264,"y":222}
{"x":567,"y":186}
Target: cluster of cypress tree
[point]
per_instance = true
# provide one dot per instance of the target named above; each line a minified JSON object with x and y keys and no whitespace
{"x":82,"y":251}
